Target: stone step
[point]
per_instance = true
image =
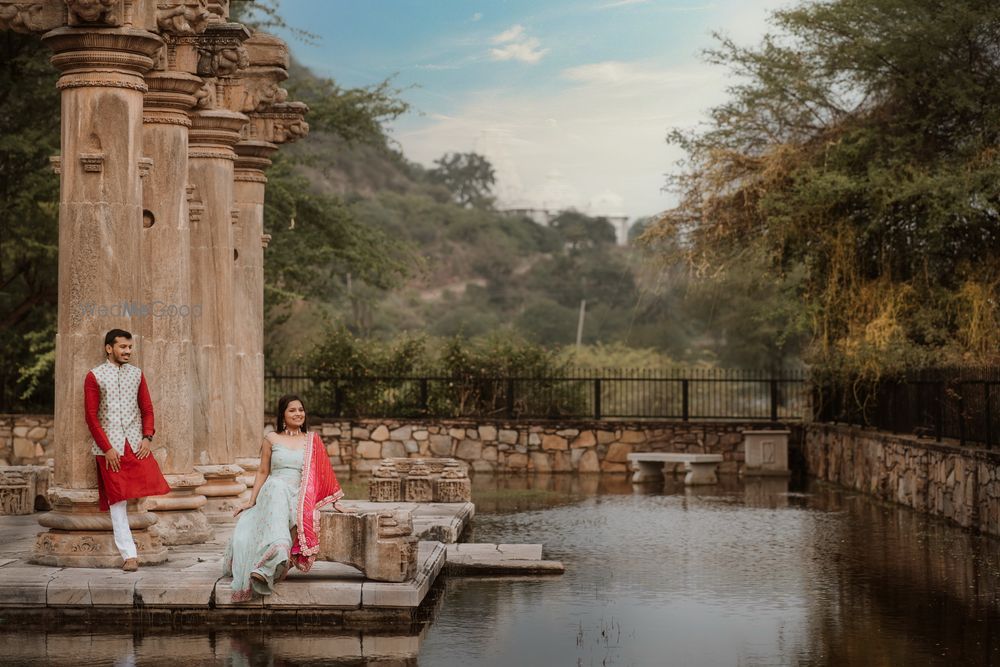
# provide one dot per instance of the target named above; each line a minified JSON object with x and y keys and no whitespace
{"x":466,"y":558}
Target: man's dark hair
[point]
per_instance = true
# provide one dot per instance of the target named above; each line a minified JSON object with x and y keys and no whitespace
{"x":279,"y":421}
{"x":109,"y":339}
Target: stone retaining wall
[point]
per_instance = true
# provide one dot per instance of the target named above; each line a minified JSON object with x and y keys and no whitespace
{"x":26,"y":439}
{"x":519,"y":447}
{"x":958,"y":483}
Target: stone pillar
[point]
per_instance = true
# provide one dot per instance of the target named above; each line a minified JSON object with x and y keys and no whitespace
{"x":766,"y":452}
{"x":252,"y":158}
{"x":166,"y":290}
{"x":100,"y":226}
{"x":210,"y":169}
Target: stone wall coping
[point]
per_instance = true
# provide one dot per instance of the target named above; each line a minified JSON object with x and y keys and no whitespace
{"x":946,"y":446}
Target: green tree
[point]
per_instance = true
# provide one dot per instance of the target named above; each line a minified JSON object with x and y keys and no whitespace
{"x":469,"y":177}
{"x":29,"y":212}
{"x":856,"y":158}
{"x":582,"y":231}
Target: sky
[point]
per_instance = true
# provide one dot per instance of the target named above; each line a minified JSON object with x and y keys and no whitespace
{"x":571,"y":100}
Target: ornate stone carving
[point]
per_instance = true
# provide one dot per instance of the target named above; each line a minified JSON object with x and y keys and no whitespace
{"x":28,"y":17}
{"x":454,"y":485}
{"x":56,"y":163}
{"x":145,"y":166}
{"x":439,"y":480}
{"x":385,"y":485}
{"x":16,"y":495}
{"x":92,"y":162}
{"x":264,"y":240}
{"x":220,"y":50}
{"x":103,"y":12}
{"x":418,"y":486}
{"x":190,"y":17}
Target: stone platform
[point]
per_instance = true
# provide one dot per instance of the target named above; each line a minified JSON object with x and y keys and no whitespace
{"x":189,"y":591}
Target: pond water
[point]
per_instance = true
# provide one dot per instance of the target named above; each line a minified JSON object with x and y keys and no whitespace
{"x":742,"y":573}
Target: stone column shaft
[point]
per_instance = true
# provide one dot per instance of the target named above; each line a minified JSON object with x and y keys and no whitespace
{"x":100,"y":216}
{"x":211,"y":170}
{"x":248,"y":280}
{"x":168,"y":359}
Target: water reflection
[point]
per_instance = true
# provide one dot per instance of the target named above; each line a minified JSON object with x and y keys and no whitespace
{"x":749,"y":572}
{"x":273,"y":647}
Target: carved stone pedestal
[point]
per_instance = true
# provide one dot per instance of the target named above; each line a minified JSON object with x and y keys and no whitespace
{"x":222,"y":491}
{"x":439,"y":480}
{"x":80,"y":535}
{"x":250,"y":466}
{"x":179,"y":514}
{"x":380,"y":544}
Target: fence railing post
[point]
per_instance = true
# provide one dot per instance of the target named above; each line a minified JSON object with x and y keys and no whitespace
{"x":961,"y":415}
{"x":424,"y":396}
{"x":685,"y":400}
{"x":510,"y":398}
{"x":774,"y":400}
{"x":988,"y":414}
{"x":338,"y":401}
{"x":939,"y":426}
{"x":597,"y":398}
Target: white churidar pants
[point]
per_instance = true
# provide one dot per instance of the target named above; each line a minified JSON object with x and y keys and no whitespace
{"x":123,"y":534}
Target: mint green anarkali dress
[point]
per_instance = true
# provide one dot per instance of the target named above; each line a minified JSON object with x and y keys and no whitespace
{"x":264,"y":534}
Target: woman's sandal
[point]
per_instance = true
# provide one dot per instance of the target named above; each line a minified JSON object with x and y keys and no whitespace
{"x":343,"y":510}
{"x":259,"y":578}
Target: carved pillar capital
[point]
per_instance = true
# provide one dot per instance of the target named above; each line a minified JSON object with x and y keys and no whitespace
{"x":171,"y":96}
{"x":214,"y":133}
{"x":115,"y":58}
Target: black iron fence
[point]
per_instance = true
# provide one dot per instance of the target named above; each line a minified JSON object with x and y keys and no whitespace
{"x":573,"y":394}
{"x":958,"y":403}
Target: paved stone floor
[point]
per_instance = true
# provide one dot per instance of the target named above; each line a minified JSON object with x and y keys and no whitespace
{"x":189,"y":586}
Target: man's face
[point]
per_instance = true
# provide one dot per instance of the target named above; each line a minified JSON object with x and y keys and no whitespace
{"x":121,"y":351}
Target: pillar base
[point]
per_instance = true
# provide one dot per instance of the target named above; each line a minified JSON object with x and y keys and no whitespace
{"x":250,"y":466}
{"x":80,"y":534}
{"x":222,"y":492}
{"x":180,"y":517}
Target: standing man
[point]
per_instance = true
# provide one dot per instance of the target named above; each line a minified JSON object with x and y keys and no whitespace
{"x":120,"y":417}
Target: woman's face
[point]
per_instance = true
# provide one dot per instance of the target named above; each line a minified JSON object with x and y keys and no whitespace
{"x":295,"y":415}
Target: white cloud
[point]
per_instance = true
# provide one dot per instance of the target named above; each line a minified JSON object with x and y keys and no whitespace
{"x":476,"y":17}
{"x":509,"y":35}
{"x":517,"y":46}
{"x":526,"y":51}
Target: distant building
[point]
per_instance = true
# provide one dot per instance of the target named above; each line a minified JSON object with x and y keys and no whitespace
{"x":556,"y":195}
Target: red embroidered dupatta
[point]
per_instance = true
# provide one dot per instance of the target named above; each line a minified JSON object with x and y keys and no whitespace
{"x":319,"y":487}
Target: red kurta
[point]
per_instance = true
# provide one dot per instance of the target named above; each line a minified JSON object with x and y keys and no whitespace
{"x":136,"y":478}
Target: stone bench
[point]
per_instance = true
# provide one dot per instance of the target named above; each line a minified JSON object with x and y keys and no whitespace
{"x":700,"y":468}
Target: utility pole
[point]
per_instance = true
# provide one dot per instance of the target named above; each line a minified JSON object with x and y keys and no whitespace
{"x":579,"y":325}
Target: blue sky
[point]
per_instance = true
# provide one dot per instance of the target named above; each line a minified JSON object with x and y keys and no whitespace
{"x":571,"y":100}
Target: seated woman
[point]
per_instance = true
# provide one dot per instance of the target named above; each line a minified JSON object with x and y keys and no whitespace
{"x":277,"y":527}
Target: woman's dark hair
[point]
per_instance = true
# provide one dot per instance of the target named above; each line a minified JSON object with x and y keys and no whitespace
{"x":279,"y":419}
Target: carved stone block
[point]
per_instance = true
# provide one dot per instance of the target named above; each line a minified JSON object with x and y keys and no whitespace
{"x":15,"y":493}
{"x":380,"y":544}
{"x":439,"y":480}
{"x":385,"y":485}
{"x":418,"y":487}
{"x":23,"y":489}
